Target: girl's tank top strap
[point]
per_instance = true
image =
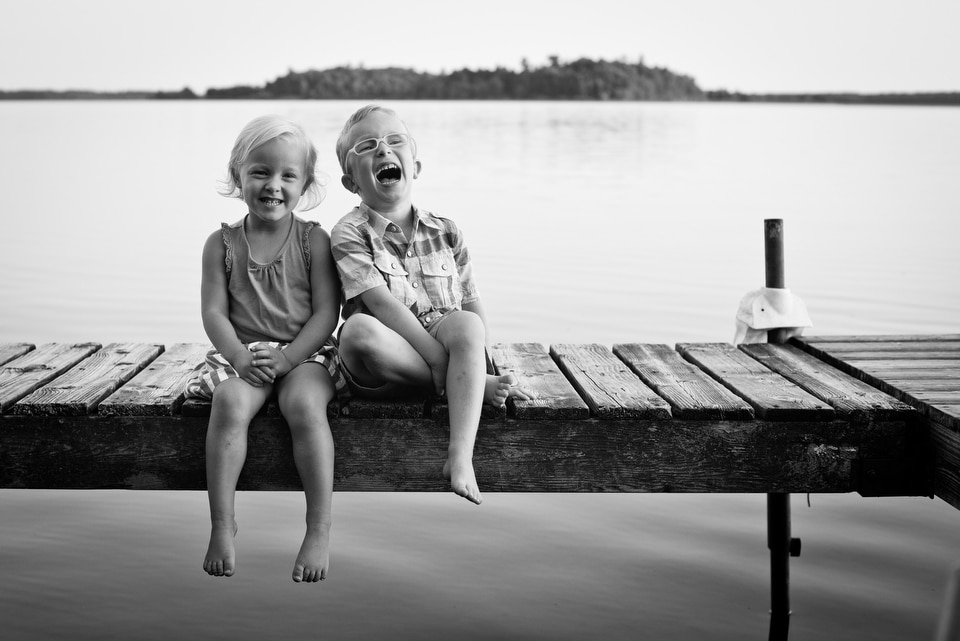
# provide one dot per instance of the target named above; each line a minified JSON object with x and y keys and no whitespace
{"x":227,"y":245}
{"x":306,"y":227}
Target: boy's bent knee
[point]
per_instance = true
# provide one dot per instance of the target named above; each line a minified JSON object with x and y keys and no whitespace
{"x":462,"y":328}
{"x":362,"y":332}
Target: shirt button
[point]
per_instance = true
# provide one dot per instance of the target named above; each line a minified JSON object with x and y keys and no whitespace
{"x":392,"y":228}
{"x":410,"y":254}
{"x":393,"y":265}
{"x":443,"y":267}
{"x":415,"y":285}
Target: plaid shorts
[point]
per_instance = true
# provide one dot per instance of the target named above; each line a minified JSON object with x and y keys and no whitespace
{"x":217,"y":369}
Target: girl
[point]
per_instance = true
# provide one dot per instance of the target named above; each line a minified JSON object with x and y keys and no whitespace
{"x":270,"y":301}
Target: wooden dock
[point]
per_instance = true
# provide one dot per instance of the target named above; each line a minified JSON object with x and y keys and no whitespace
{"x":874,"y":415}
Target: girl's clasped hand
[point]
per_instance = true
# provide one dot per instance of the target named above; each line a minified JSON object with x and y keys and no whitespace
{"x":272,"y":362}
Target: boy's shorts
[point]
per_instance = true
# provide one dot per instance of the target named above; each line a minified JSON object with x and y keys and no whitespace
{"x":217,"y":369}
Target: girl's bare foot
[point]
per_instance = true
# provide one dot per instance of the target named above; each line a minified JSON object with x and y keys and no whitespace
{"x":221,"y":555}
{"x":499,"y":388}
{"x":463,"y":480}
{"x":314,"y":557}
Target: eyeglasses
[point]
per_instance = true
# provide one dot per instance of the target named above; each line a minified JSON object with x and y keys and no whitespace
{"x":367,"y":145}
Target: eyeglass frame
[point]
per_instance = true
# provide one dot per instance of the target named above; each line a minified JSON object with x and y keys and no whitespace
{"x":407,"y":139}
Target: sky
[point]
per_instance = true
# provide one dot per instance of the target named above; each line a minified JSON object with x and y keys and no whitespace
{"x":754,"y":46}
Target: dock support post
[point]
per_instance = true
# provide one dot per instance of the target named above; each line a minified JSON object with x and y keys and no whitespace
{"x":779,"y":541}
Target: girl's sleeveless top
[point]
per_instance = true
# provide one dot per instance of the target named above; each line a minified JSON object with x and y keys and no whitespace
{"x":269,"y":302}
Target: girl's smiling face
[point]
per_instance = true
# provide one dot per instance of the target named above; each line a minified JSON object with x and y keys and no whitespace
{"x":272,"y":179}
{"x":383,"y":177}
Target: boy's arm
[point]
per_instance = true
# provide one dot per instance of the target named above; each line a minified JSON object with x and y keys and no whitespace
{"x":325,"y":297}
{"x":214,"y":310}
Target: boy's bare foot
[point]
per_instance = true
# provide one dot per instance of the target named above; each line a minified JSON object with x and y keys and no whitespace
{"x":314,"y":557}
{"x":463,"y":480}
{"x":220,"y":559}
{"x":499,"y":388}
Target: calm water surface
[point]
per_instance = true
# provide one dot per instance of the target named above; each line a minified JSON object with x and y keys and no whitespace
{"x":589,"y":223}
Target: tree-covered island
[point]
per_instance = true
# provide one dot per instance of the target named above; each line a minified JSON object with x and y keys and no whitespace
{"x":582,"y":79}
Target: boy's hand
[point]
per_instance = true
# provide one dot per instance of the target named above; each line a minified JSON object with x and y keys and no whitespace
{"x":243,"y":363}
{"x":271,"y":361}
{"x":438,"y":369}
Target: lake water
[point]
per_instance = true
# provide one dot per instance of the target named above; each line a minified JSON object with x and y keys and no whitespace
{"x":589,"y":222}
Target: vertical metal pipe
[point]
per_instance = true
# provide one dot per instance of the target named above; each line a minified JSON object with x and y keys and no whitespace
{"x":778,"y":504}
{"x":774,"y":265}
{"x":778,"y":540}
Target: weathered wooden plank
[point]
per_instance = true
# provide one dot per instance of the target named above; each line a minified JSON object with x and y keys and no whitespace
{"x":589,"y":455}
{"x":607,"y":385}
{"x":553,"y":395}
{"x":876,"y":338}
{"x":771,"y":395}
{"x":946,"y":463}
{"x":159,"y":389}
{"x":849,"y":396}
{"x":911,"y":373}
{"x":10,"y":351}
{"x":877,"y":373}
{"x":23,"y":375}
{"x":929,"y":384}
{"x":899,"y":355}
{"x":78,"y":391}
{"x":893,"y":348}
{"x":690,"y":393}
{"x":900,"y":364}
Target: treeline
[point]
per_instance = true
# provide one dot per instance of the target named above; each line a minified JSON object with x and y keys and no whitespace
{"x":944,"y":98}
{"x":81,"y":94}
{"x":581,"y":79}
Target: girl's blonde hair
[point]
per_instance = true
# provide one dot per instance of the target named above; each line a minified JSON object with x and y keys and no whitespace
{"x":262,"y":130}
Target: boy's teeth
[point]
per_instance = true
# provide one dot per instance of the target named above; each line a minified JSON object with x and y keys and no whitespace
{"x":388,"y":173}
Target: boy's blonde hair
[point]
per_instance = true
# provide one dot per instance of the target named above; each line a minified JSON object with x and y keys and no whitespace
{"x":356,"y":117}
{"x":262,"y":130}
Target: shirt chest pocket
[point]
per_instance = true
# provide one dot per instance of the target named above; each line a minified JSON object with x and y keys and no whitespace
{"x":395,"y":276}
{"x":441,"y":279}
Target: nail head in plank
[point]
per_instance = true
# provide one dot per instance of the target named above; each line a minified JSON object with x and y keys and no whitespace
{"x":159,"y":389}
{"x":23,"y":375}
{"x":608,"y":386}
{"x":78,"y":391}
{"x":691,"y":393}
{"x":846,"y":394}
{"x":771,"y":395}
{"x":553,"y":395}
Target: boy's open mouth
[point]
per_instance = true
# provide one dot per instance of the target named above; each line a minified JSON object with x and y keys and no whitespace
{"x":272,"y":202}
{"x":388,"y":174}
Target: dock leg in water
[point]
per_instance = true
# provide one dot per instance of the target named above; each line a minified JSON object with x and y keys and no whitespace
{"x":782,"y":547}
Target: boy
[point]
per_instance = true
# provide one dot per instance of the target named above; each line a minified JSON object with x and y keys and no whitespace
{"x":412,"y":313}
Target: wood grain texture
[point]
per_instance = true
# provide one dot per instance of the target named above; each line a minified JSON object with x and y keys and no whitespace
{"x":771,"y":395}
{"x":914,"y":371}
{"x":10,"y":351}
{"x":80,"y":390}
{"x":582,"y":455}
{"x":553,"y":395}
{"x":21,"y":376}
{"x":159,"y":389}
{"x":691,"y":393}
{"x":608,"y":386}
{"x":849,"y":396}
